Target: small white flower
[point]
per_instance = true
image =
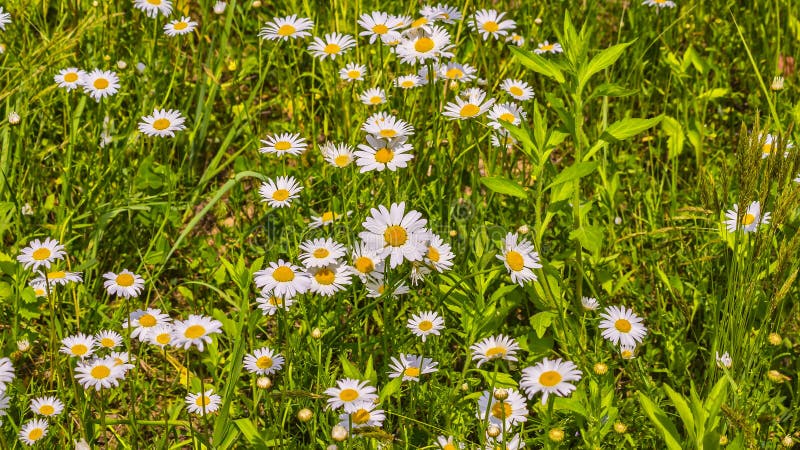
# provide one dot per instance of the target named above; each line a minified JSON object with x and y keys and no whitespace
{"x":724,"y":360}
{"x":589,"y":303}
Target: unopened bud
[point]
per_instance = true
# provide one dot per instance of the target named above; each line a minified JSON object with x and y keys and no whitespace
{"x":338,"y":433}
{"x":264,"y":382}
{"x":304,"y":415}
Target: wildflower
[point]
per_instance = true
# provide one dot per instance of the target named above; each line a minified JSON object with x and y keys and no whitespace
{"x":400,"y":234}
{"x":410,"y":367}
{"x":282,"y":278}
{"x":125,"y":284}
{"x":80,"y":345}
{"x":464,"y":109}
{"x":627,"y":351}
{"x":787,"y":441}
{"x":621,"y":325}
{"x":70,"y":78}
{"x":145,"y":321}
{"x":386,"y":126}
{"x":516,"y":39}
{"x":408,"y":81}
{"x":121,"y":361}
{"x":723,"y":360}
{"x":337,"y":155}
{"x":108,"y":339}
{"x":439,"y":255}
{"x":441,"y":13}
{"x":363,"y":414}
{"x":270,"y":304}
{"x":490,"y":23}
{"x":425,"y":323}
{"x":505,"y":112}
{"x":178,"y":27}
{"x":376,"y":287}
{"x":321,"y":252}
{"x":777,"y":377}
{"x":777,"y":83}
{"x":152,"y":7}
{"x":101,"y":83}
{"x":284,"y":144}
{"x":373,"y":96}
{"x":161,"y":334}
{"x":549,"y":377}
{"x":286,"y":27}
{"x":458,"y":72}
{"x":589,"y":303}
{"x":750,"y":221}
{"x":421,"y":46}
{"x":41,"y":254}
{"x":512,"y":443}
{"x":518,"y":89}
{"x":774,"y":339}
{"x":376,"y":24}
{"x":659,"y":3}
{"x":34,"y":430}
{"x":600,"y":368}
{"x":383,"y":154}
{"x":219,"y":7}
{"x":263,"y":361}
{"x":326,"y":218}
{"x":47,"y":406}
{"x":5,"y":19}
{"x":7,"y":374}
{"x":771,"y":144}
{"x":330,"y":279}
{"x":279,"y":193}
{"x":348,"y":392}
{"x":519,"y":259}
{"x":503,"y":412}
{"x":203,"y":403}
{"x":494,"y":347}
{"x":353,"y":72}
{"x":162,"y":123}
{"x":448,"y":443}
{"x":338,"y":433}
{"x":334,"y":44}
{"x":99,"y":373}
{"x":58,"y":277}
{"x":547,"y":47}
{"x":23,"y":345}
{"x":195,"y":330}
{"x":263,"y":382}
{"x":556,"y":434}
{"x":366,"y":261}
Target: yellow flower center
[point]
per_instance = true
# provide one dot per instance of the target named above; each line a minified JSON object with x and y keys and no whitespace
{"x":419,"y":22}
{"x":507,"y":117}
{"x":380,"y":29}
{"x":100,"y":83}
{"x":321,"y":253}
{"x":342,"y":161}
{"x":124,"y":280}
{"x":71,"y":77}
{"x":454,"y":74}
{"x":202,"y":401}
{"x":433,"y":254}
{"x":280,"y":195}
{"x":46,"y":410}
{"x":496,"y":352}
{"x":194,"y":331}
{"x":627,"y":354}
{"x":501,"y":410}
{"x":354,"y":74}
{"x":469,"y":110}
{"x":107,"y":342}
{"x":622,"y":325}
{"x":364,"y":265}
{"x":384,"y":155}
{"x":283,"y":274}
{"x":381,"y":289}
{"x":264,"y":362}
{"x":546,"y":47}
{"x":100,"y":372}
{"x":40,"y":254}
{"x":327,"y":216}
{"x":424,"y":45}
{"x":425,"y":325}
{"x":491,"y":26}
{"x":79,"y":349}
{"x":35,"y":434}
{"x":325,"y":276}
{"x":515,"y":260}
{"x":154,"y":2}
{"x":767,"y":148}
{"x":275,"y":301}
{"x":411,"y":372}
{"x":748,"y":219}
{"x":348,"y":395}
{"x":449,"y":446}
{"x":395,"y":235}
{"x":286,"y":30}
{"x":163,"y":338}
{"x":360,"y":416}
{"x":550,"y":378}
{"x":516,"y":90}
{"x":388,"y":133}
{"x":161,"y":123}
{"x":180,"y":26}
{"x":407,"y":84}
{"x":332,"y":49}
{"x":56,"y":275}
{"x":147,"y":321}
{"x":282,"y":145}
{"x":375,"y":99}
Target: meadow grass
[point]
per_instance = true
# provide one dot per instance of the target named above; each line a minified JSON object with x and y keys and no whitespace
{"x":642,"y":135}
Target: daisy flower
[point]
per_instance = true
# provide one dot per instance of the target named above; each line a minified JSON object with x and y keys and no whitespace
{"x":494,"y":347}
{"x":621,"y":326}
{"x":504,"y":443}
{"x":7,"y":374}
{"x":70,"y":78}
{"x":421,"y":46}
{"x":349,"y":392}
{"x":383,"y":154}
{"x":386,"y":126}
{"x":286,"y":27}
{"x":41,"y":254}
{"x":284,"y":144}
{"x":4,"y":403}
{"x":366,"y":262}
{"x":79,"y":345}
{"x":363,"y":414}
{"x":771,"y":144}
{"x":125,"y":284}
{"x":659,"y":3}
{"x":334,"y":44}
{"x":408,"y":81}
{"x":101,"y":83}
{"x":152,"y":7}
{"x":425,"y":323}
{"x":330,"y":279}
{"x":751,"y":219}
{"x":269,"y":304}
{"x":502,"y":139}
{"x":353,"y":72}
{"x":627,"y":351}
{"x":373,"y":96}
{"x":39,"y":288}
{"x":47,"y":406}
{"x":401,"y":235}
{"x":410,"y":367}
{"x":326,"y":218}
{"x":121,"y":361}
{"x":723,"y":360}
{"x":439,"y":255}
{"x":503,"y":413}
{"x":337,"y":155}
{"x":457,"y":72}
{"x":518,"y":89}
{"x":441,"y":13}
{"x":490,"y":23}
{"x":519,"y":259}
{"x":5,"y":19}
{"x":589,"y":303}
{"x":469,"y":108}
{"x":392,"y":39}
{"x":547,"y":47}
{"x":376,"y":24}
{"x":376,"y":287}
{"x":549,"y":377}
{"x":161,"y":334}
{"x":162,"y":123}
{"x":195,"y":330}
{"x":505,"y":112}
{"x":279,"y":193}
{"x":145,"y":321}
{"x":58,"y":277}
{"x":263,"y":361}
{"x":203,"y":403}
{"x":177,"y":27}
{"x":99,"y":373}
{"x":516,"y":39}
{"x":283,"y":279}
{"x":34,"y":430}
{"x":321,"y":252}
{"x":108,"y":339}
{"x":448,"y":443}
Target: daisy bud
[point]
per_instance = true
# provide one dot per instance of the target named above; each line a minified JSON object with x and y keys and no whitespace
{"x":219,"y":7}
{"x":500,"y":394}
{"x":338,"y":433}
{"x":27,"y":210}
{"x":600,"y":368}
{"x":777,"y":84}
{"x":620,"y":427}
{"x":316,"y":333}
{"x":523,"y":229}
{"x":264,"y":382}
{"x":723,"y":440}
{"x":2,"y":48}
{"x":618,"y":220}
{"x":304,"y":415}
{"x":775,"y":339}
{"x":787,"y":441}
{"x":256,"y":4}
{"x":13,"y":118}
{"x":556,"y":435}
{"x":537,"y":21}
{"x":122,"y":65}
{"x":464,"y":387}
{"x":95,"y":4}
{"x":493,"y":431}
{"x":453,"y":233}
{"x":23,"y":345}
{"x":140,"y":67}
{"x":106,"y":57}
{"x":332,"y":447}
{"x":82,"y":445}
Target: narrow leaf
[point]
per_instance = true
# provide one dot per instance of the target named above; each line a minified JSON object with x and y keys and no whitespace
{"x":538,"y":64}
{"x":574,"y":172}
{"x":503,"y":185}
{"x":603,"y":60}
{"x":626,"y":128}
{"x":661,"y":421}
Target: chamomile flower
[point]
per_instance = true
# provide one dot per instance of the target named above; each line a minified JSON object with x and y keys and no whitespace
{"x":5,"y":19}
{"x":152,"y":7}
{"x":349,"y":392}
{"x":589,"y":303}
{"x":723,"y":360}
{"x":516,"y":39}
{"x":263,"y":361}
{"x":425,"y":323}
{"x":79,"y":345}
{"x":771,"y":144}
{"x":441,"y":13}
{"x":7,"y":374}
{"x":750,"y":221}
{"x":321,"y":252}
{"x":621,"y":326}
{"x":326,"y":218}
{"x":33,"y":431}
{"x":421,"y":46}
{"x":410,"y":367}
{"x":439,"y":255}
{"x":503,"y":413}
{"x":334,"y":44}
{"x":270,"y":304}
{"x":376,"y":24}
{"x":408,"y":81}
{"x":490,"y":23}
{"x":373,"y":96}
{"x":464,"y":109}
{"x":58,"y":277}
{"x":494,"y":347}
{"x":549,"y":377}
{"x":285,"y":28}
{"x":330,"y":279}
{"x":337,"y":155}
{"x":376,"y":287}
{"x":387,"y":126}
{"x":518,"y":89}
{"x":161,"y":334}
{"x":519,"y":259}
{"x":363,"y":414}
{"x":627,"y":351}
{"x":196,"y":330}
{"x":47,"y":406}
{"x":203,"y":403}
{"x":70,"y":78}
{"x":547,"y":47}
{"x":101,"y":83}
{"x":284,"y":144}
{"x":448,"y":443}
{"x":353,"y":72}
{"x":145,"y":321}
{"x":184,"y":25}
{"x":162,"y":123}
{"x":659,"y":3}
{"x":279,"y":193}
{"x":383,"y":154}
{"x":41,"y":254}
{"x":402,"y":235}
{"x":457,"y":72}
{"x":99,"y":373}
{"x":505,"y":112}
{"x":109,"y":339}
{"x":124,"y":284}
{"x":367,"y":262}
{"x":282,"y":278}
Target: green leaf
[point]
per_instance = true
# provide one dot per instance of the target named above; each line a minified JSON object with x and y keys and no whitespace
{"x":390,"y":388}
{"x":661,"y":421}
{"x":683,"y":410}
{"x":611,"y":90}
{"x":676,"y":139}
{"x":715,"y":93}
{"x":626,"y":128}
{"x":590,"y":237}
{"x":350,"y":370}
{"x":537,"y":63}
{"x":574,"y":172}
{"x":601,"y":61}
{"x":503,"y":185}
{"x":541,"y":321}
